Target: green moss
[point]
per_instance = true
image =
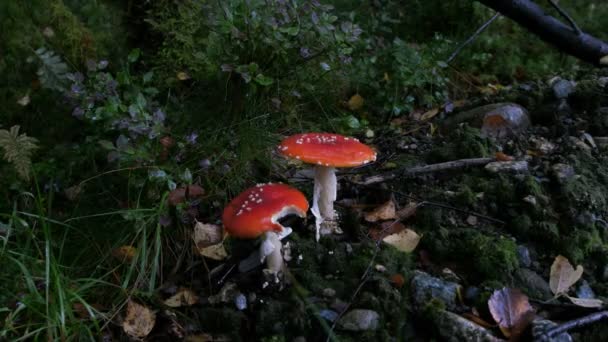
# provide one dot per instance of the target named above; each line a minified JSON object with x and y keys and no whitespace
{"x":465,"y":142}
{"x":222,"y":320}
{"x":465,"y":196}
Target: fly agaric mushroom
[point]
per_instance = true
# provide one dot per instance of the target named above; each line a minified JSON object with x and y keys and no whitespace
{"x":327,"y":151}
{"x":257,"y":211}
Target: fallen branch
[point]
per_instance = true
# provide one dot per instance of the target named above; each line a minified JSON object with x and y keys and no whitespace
{"x":451,"y":165}
{"x":568,"y":39}
{"x":576,"y":323}
{"x":472,"y":37}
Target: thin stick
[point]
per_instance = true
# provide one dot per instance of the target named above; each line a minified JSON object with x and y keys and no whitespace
{"x":576,"y":323}
{"x":566,"y":16}
{"x":451,"y":165}
{"x":471,"y":38}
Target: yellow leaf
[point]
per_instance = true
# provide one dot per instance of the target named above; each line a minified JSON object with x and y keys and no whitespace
{"x":139,"y":320}
{"x":355,"y":102}
{"x":405,"y":241}
{"x":384,"y":212}
{"x":563,"y":275}
{"x":183,"y":297}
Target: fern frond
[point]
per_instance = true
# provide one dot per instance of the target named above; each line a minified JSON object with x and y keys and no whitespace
{"x":18,"y":150}
{"x":53,"y":71}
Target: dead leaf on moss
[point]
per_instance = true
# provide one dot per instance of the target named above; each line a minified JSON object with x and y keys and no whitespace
{"x":385,"y":228}
{"x":139,"y":320}
{"x":407,"y":211}
{"x":355,"y":102}
{"x":183,"y":76}
{"x":183,"y":297}
{"x":563,"y":275}
{"x":124,"y":253}
{"x":587,"y":302}
{"x":500,"y":156}
{"x":512,"y":311}
{"x":405,"y":241}
{"x":429,"y":114}
{"x":382,"y":213}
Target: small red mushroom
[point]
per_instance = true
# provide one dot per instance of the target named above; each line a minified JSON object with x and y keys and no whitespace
{"x":257,"y":211}
{"x":327,"y":151}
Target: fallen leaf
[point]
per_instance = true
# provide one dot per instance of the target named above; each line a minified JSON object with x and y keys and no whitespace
{"x":24,"y":101}
{"x":478,"y":320}
{"x":587,"y":302}
{"x":178,"y":195}
{"x":429,"y":114}
{"x":183,"y":297}
{"x":500,"y":156}
{"x":511,"y":309}
{"x":124,"y":253}
{"x":139,"y":320}
{"x":355,"y":102}
{"x":405,"y":241}
{"x":385,"y":229}
{"x":382,"y":213}
{"x":215,"y":252}
{"x":206,"y":235}
{"x":73,"y":192}
{"x":407,"y":211}
{"x":563,"y":275}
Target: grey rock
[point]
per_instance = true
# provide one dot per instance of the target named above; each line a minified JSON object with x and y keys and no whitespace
{"x":329,"y":292}
{"x":523,"y":255}
{"x":425,"y":287}
{"x":514,"y":117}
{"x":535,"y":285}
{"x":329,"y":315}
{"x":541,"y":326}
{"x":359,"y":320}
{"x":585,"y":291}
{"x":563,"y":172}
{"x":515,"y":166}
{"x":454,"y":328}
{"x":562,"y":88}
{"x":240,"y":301}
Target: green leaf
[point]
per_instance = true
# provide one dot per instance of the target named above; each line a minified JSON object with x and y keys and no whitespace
{"x":148,"y":77}
{"x":106,"y":144}
{"x":263,"y":80}
{"x":134,"y":55}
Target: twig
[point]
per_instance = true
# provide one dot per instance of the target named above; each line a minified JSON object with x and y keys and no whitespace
{"x":472,"y":37}
{"x":576,"y":323}
{"x":451,"y":165}
{"x":566,"y":16}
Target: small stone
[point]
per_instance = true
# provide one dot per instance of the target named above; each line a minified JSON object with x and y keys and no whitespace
{"x":532,"y":283}
{"x":359,"y":320}
{"x":349,"y":248}
{"x":585,"y":291}
{"x":380,"y":268}
{"x":602,"y":81}
{"x":562,"y":88}
{"x":563,"y":172}
{"x":240,"y":301}
{"x":329,"y":315}
{"x":523,"y":255}
{"x":530,"y":199}
{"x":588,"y":139}
{"x":579,"y":143}
{"x":425,"y":287}
{"x":471,"y":294}
{"x":329,"y":292}
{"x":516,"y":166}
{"x":472,"y":220}
{"x":453,"y":327}
{"x":542,"y":145}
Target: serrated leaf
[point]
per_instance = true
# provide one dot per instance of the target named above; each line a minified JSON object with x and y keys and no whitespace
{"x":18,"y":150}
{"x":563,"y":275}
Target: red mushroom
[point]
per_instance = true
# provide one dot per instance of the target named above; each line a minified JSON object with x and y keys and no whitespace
{"x":257,"y":211}
{"x":327,"y":151}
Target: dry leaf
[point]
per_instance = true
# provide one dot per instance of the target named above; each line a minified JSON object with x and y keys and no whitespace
{"x":511,"y":310}
{"x":604,"y":60}
{"x":405,"y":241}
{"x":587,"y":302}
{"x":183,"y":297}
{"x":178,"y":195}
{"x":563,"y":275}
{"x":429,"y":114}
{"x":384,"y":212}
{"x":215,"y":252}
{"x":407,"y":211}
{"x":124,"y":253}
{"x":182,"y":76}
{"x":385,"y":228}
{"x":206,"y":235}
{"x":73,"y":192}
{"x":139,"y":321}
{"x":24,"y":101}
{"x":500,"y":156}
{"x":355,"y":102}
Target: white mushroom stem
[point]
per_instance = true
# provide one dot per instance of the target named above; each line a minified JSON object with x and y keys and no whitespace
{"x":325,"y":191}
{"x":270,"y":250}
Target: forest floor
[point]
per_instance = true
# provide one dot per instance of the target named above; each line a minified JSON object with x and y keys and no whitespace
{"x":500,"y":198}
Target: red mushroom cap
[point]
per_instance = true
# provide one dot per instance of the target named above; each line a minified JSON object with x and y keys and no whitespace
{"x":327,"y":149}
{"x":257,"y":209}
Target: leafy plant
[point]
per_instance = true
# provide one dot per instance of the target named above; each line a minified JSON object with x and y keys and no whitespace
{"x":18,"y":150}
{"x":52,"y":71}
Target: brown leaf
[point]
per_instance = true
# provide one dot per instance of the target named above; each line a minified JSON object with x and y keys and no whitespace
{"x":587,"y":302}
{"x":206,"y":235}
{"x":178,"y":195}
{"x":429,"y":114}
{"x":382,"y":213}
{"x":511,"y":310}
{"x":183,"y":297}
{"x":500,"y":156}
{"x":385,"y":228}
{"x":215,"y":252}
{"x":73,"y":192}
{"x":407,"y":211}
{"x":405,"y":241}
{"x":139,"y":320}
{"x":124,"y":253}
{"x":563,"y":275}
{"x":355,"y":102}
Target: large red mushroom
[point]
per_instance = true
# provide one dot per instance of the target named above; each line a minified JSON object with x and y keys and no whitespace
{"x":327,"y":151}
{"x":256,"y":212}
